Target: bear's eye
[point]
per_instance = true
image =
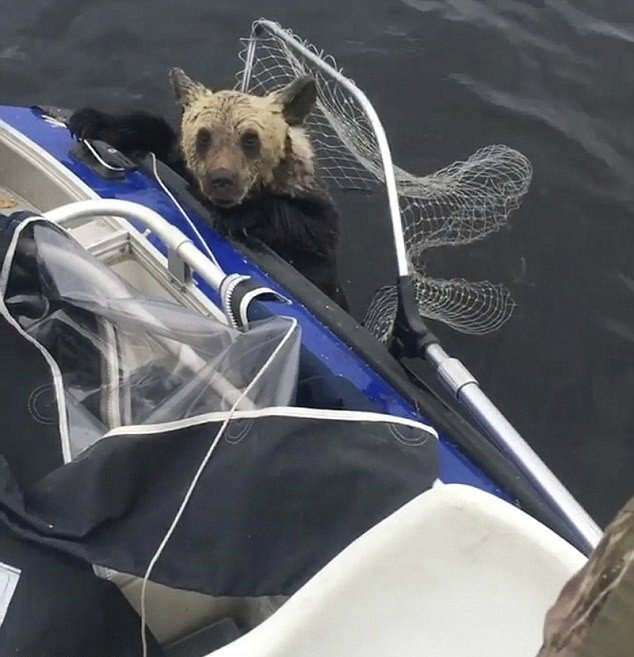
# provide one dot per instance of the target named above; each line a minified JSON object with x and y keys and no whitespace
{"x":203,"y":141}
{"x":250,"y":142}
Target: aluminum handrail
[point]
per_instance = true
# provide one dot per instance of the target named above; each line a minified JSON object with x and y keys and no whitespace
{"x":177,"y":243}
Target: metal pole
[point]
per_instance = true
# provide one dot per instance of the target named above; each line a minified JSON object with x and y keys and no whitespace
{"x":248,"y":62}
{"x":176,"y":242}
{"x":464,"y":386}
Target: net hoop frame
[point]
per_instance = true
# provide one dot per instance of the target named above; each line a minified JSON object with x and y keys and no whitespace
{"x":262,"y":25}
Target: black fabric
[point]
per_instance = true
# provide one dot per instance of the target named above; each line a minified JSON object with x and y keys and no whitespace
{"x":61,"y":609}
{"x":29,"y":417}
{"x":279,"y":498}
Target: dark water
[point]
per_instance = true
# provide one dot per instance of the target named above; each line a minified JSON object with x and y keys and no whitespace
{"x":552,"y":78}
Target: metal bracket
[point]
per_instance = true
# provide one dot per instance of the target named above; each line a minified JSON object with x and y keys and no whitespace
{"x":178,"y":268}
{"x":411,"y":337}
{"x":455,"y":375}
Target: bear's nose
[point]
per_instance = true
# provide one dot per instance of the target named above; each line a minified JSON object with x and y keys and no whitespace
{"x":222,"y":179}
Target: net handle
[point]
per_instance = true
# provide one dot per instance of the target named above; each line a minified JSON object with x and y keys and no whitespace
{"x":276,"y":30}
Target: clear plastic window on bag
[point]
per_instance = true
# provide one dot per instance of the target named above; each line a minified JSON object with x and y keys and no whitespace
{"x":127,"y":359}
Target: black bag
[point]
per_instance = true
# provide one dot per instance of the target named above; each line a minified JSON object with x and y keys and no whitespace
{"x":52,"y":605}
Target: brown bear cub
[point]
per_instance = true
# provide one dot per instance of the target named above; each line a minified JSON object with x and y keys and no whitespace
{"x":248,"y":160}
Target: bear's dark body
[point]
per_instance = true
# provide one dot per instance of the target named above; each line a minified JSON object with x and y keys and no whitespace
{"x":301,"y":229}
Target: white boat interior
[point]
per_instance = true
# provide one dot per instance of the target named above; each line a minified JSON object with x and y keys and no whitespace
{"x":455,"y":572}
{"x":30,"y":179}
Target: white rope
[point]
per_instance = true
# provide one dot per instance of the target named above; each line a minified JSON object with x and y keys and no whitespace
{"x":180,"y":208}
{"x":197,"y":477}
{"x":98,"y":157}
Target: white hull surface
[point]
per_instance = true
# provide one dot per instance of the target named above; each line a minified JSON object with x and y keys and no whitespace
{"x":454,"y":573}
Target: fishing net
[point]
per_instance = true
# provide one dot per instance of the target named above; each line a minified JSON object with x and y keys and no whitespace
{"x":457,"y":205}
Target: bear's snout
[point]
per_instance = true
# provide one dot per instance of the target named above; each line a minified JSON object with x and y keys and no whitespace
{"x":222,"y":179}
{"x":221,"y":186}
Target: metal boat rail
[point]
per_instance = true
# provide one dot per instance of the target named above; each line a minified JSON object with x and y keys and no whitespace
{"x":183,"y":255}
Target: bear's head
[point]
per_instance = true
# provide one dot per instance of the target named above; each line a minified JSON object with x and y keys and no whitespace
{"x":236,"y":144}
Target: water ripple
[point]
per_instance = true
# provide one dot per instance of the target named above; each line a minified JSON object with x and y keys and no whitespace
{"x":596,"y":137}
{"x":584,"y":23}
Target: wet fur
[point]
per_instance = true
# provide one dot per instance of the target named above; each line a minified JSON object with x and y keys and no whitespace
{"x":289,"y":210}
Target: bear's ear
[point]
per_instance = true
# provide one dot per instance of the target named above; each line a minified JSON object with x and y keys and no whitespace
{"x":297,"y":99}
{"x":184,"y":88}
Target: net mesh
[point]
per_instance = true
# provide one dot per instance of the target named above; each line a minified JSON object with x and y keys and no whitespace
{"x":457,"y":205}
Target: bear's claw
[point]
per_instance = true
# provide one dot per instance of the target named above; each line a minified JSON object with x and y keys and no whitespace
{"x":87,"y":123}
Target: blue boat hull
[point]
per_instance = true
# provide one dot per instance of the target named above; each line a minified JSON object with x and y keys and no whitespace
{"x":327,"y":348}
